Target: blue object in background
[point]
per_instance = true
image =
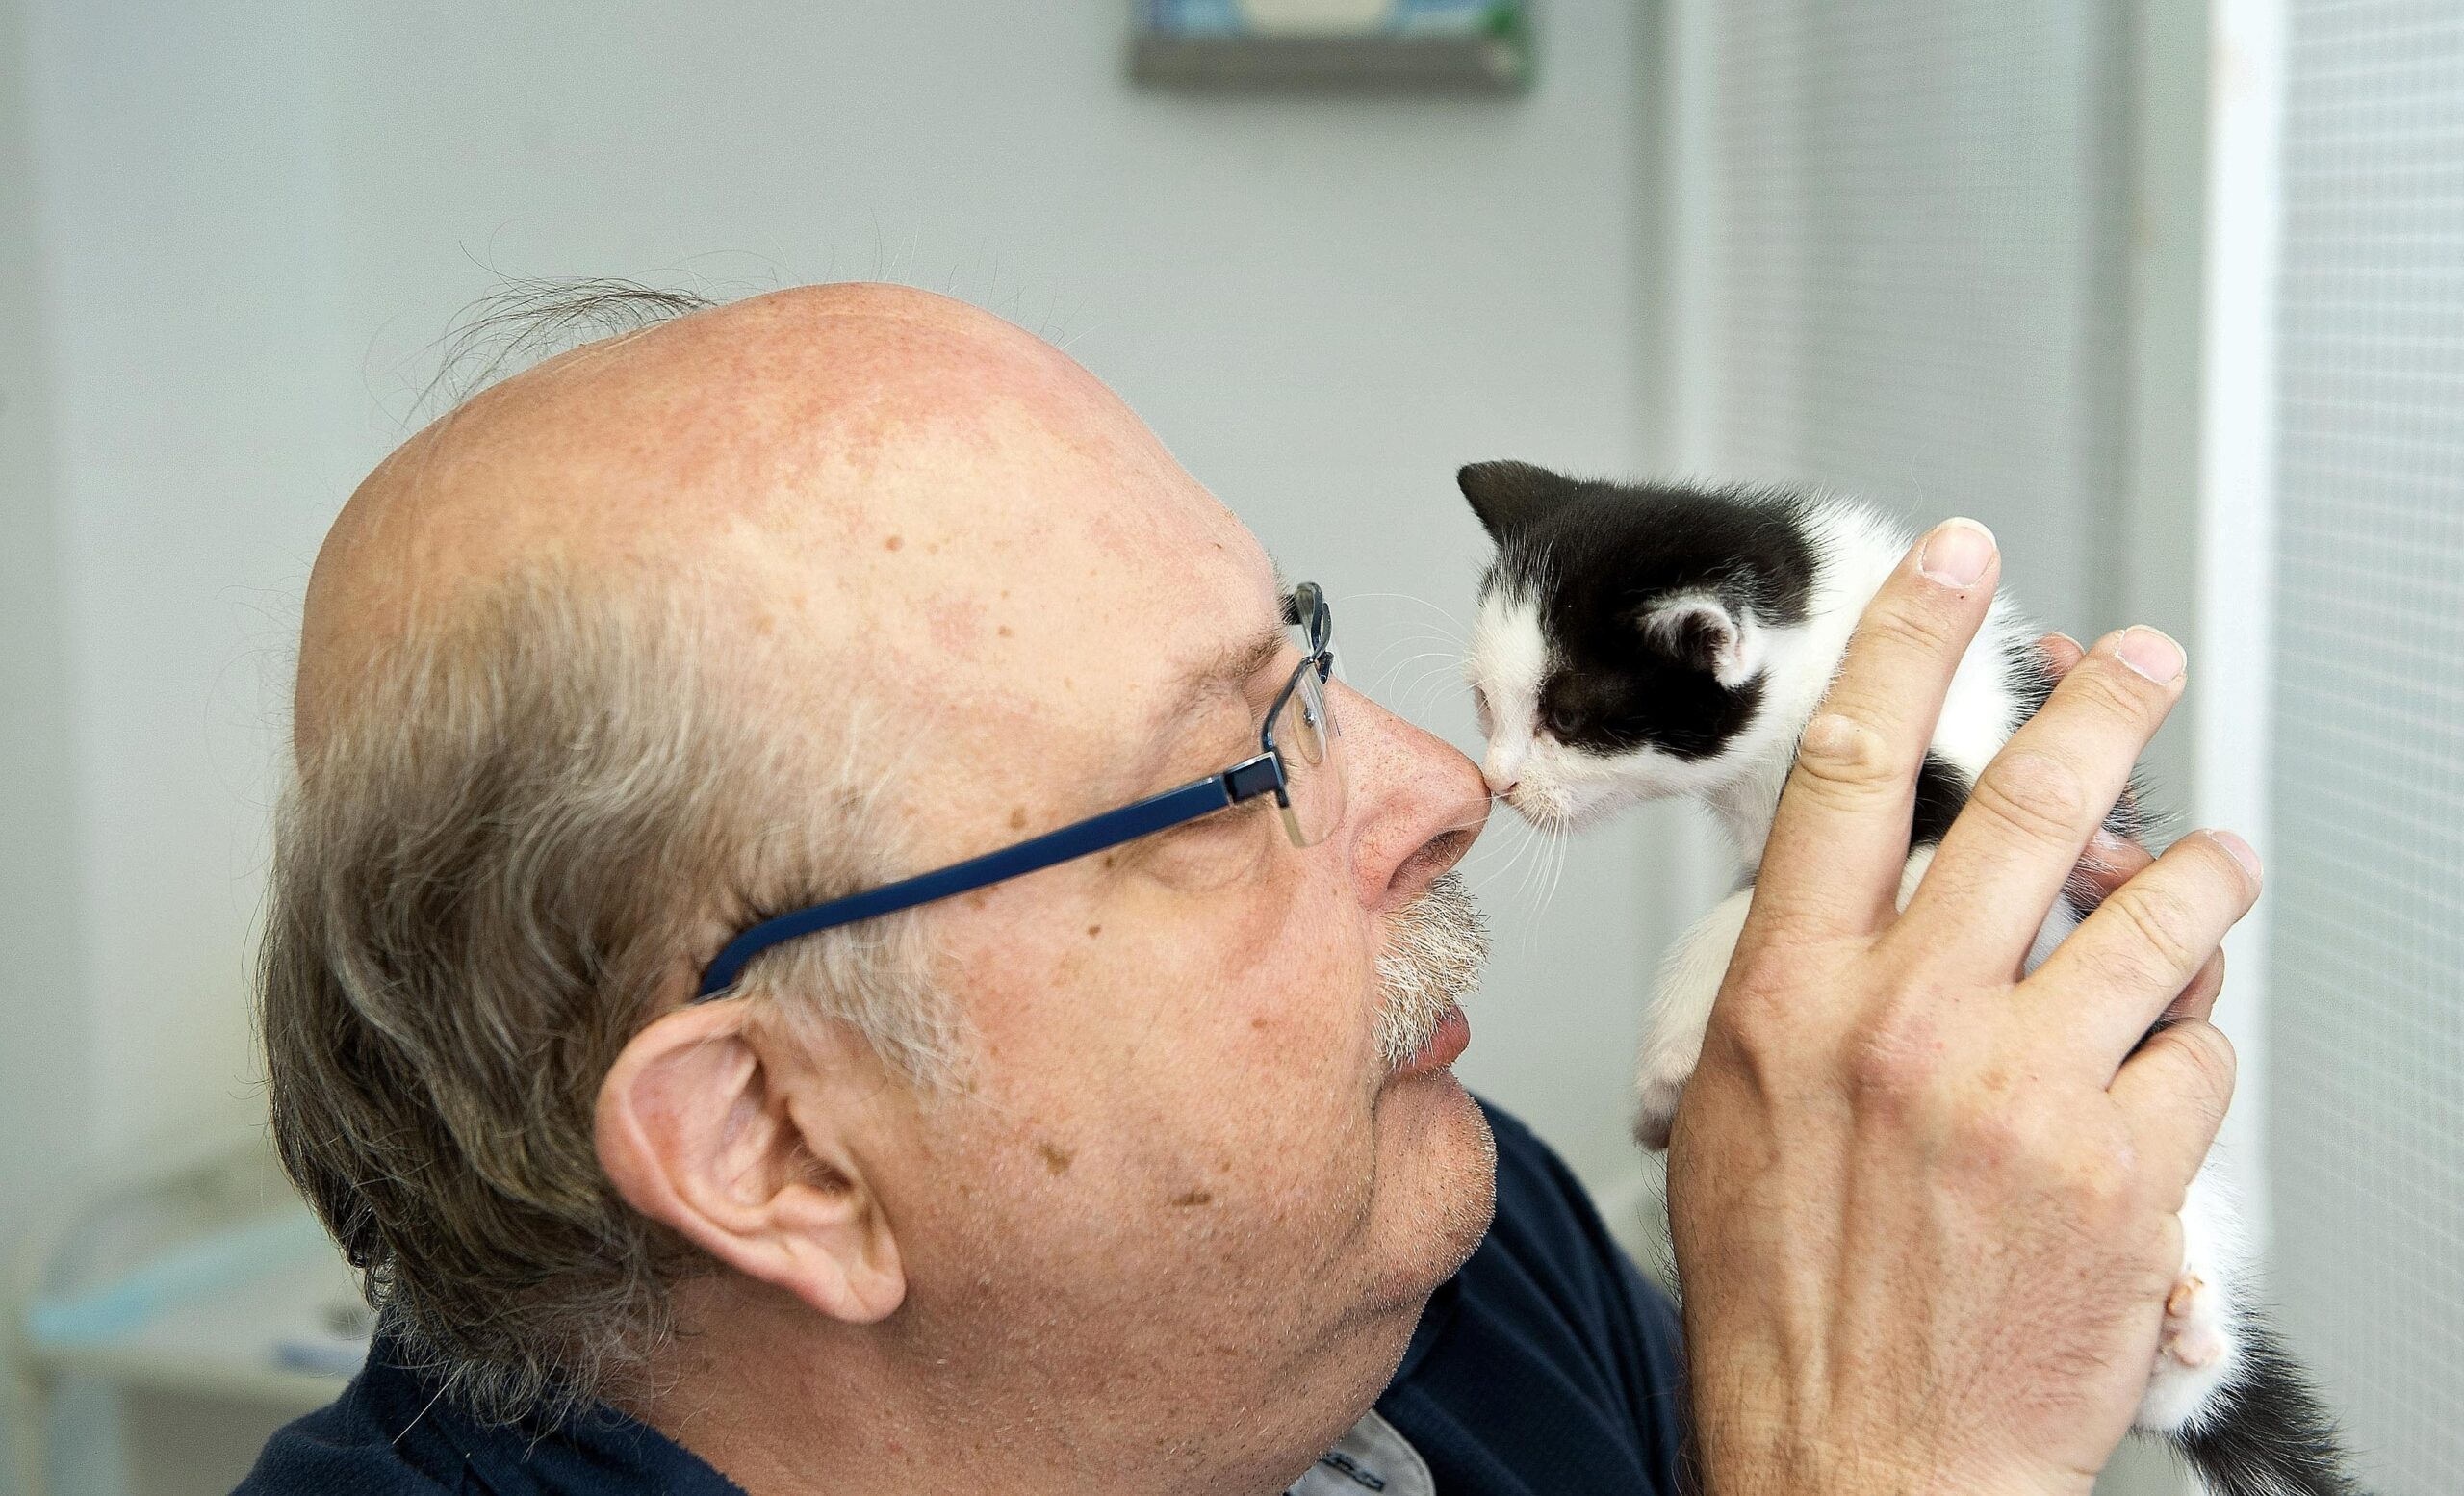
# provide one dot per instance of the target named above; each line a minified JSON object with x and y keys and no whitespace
{"x":1407,"y":18}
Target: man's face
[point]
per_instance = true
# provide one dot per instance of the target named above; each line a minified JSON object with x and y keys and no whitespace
{"x":1183,"y":1158}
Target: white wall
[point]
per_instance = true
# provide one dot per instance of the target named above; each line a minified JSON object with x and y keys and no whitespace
{"x":255,"y":219}
{"x":43,"y":1007}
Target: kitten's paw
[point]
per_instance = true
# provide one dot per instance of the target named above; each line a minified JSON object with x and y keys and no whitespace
{"x":1659,"y":1112}
{"x":2194,"y":1353}
{"x":1661,"y":1085}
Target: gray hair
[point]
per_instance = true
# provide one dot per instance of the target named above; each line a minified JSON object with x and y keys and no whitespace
{"x":501,"y":854}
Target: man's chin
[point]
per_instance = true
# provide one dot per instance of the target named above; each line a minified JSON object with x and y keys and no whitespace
{"x":1438,"y":1176}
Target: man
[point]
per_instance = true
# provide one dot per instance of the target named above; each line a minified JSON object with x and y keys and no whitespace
{"x":691,"y":1143}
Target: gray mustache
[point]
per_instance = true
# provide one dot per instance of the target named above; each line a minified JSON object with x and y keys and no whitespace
{"x":1435,"y":952}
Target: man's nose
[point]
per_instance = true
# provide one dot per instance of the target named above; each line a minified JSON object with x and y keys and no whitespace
{"x":1419,"y":803}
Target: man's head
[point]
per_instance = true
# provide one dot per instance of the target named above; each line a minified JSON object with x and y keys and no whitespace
{"x":762,"y":607}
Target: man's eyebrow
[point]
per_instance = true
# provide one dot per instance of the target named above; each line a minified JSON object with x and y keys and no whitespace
{"x":1222,"y":672}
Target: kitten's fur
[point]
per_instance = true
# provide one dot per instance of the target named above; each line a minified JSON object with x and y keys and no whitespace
{"x":1635,"y":643}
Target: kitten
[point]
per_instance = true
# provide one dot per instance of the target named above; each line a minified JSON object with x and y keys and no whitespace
{"x":1636,"y":642}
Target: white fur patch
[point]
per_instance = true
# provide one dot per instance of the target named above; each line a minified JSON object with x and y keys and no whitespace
{"x":1508,"y":661}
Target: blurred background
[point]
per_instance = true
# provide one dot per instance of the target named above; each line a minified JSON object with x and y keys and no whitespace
{"x":2170,"y":294}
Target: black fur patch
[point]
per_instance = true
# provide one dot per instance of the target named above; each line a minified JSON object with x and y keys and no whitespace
{"x":1593,"y":556}
{"x":1941,"y":793}
{"x":2273,"y":1437}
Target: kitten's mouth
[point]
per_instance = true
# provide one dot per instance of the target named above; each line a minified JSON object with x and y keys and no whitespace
{"x":1550,"y":812}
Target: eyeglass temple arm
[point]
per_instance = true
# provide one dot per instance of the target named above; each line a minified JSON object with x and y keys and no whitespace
{"x":1243,"y":781}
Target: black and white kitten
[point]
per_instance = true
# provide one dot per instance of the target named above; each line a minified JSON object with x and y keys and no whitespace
{"x":1635,"y":643}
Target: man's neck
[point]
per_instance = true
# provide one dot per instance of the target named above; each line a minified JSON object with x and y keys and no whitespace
{"x":851,"y":1414}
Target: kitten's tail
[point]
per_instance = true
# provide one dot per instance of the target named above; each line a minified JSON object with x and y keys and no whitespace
{"x":2268,"y":1434}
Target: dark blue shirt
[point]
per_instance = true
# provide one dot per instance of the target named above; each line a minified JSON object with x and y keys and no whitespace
{"x":1546,"y":1367}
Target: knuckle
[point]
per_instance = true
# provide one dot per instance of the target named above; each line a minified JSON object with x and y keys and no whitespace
{"x":2164,"y":924}
{"x":2212,"y":1065}
{"x":2100,"y":1175}
{"x":2121,"y":692}
{"x":2104,"y":968}
{"x":1904,"y":625}
{"x":1996,"y":1132}
{"x":1894,"y":1059}
{"x":1839,"y":756}
{"x":2037,"y":796}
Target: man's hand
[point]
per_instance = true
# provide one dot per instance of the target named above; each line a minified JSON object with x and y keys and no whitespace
{"x":1925,"y":1210}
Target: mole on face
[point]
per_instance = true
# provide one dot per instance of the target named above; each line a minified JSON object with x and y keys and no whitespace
{"x":894,"y":543}
{"x":1055,"y":1158}
{"x":1018,"y":818}
{"x":1194,"y":1198}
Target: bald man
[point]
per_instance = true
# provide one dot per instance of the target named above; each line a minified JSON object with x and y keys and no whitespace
{"x":837,"y":932}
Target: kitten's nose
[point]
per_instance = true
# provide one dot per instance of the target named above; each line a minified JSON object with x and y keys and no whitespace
{"x":1502,"y":767}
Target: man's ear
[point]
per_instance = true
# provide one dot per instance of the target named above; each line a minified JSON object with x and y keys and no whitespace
{"x":696,"y":1128}
{"x":1508,"y":496}
{"x":1700,"y":630}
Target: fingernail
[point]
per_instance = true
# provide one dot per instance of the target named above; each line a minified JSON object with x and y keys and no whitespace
{"x":1957,"y":553}
{"x":2150,"y":653}
{"x":2106,"y":842}
{"x":2068,"y":639}
{"x":2241,"y":853}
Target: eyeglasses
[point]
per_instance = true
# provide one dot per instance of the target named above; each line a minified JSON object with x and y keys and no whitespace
{"x":1299,"y":762}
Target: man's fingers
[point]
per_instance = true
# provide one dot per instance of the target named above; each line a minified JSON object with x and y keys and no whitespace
{"x":2034,"y":808}
{"x":2198,"y":1000}
{"x":2127,"y":962}
{"x":2060,"y":652}
{"x":2174,"y":1091}
{"x":1841,"y":838}
{"x":2109,"y":862}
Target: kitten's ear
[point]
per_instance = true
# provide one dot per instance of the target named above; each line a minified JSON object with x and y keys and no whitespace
{"x":1701,"y":630}
{"x":1508,"y":496}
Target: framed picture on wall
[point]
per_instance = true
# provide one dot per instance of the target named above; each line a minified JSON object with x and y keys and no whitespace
{"x":1334,"y":46}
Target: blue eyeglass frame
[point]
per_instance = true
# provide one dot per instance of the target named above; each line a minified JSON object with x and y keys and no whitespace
{"x":1263,"y":773}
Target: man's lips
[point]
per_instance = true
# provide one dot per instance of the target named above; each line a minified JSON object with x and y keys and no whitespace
{"x":1442,"y":1048}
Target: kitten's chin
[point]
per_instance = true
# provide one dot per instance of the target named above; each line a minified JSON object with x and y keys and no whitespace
{"x":1559,"y":811}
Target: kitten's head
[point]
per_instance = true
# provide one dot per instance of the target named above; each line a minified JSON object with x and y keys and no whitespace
{"x":1625,"y":635}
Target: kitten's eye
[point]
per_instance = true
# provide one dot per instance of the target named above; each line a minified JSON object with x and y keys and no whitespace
{"x":1480,"y":712}
{"x":1564,"y":720}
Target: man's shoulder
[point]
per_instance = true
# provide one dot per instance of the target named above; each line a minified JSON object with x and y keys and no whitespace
{"x":1548,"y":1363}
{"x":338,"y":1448}
{"x":394,"y":1432}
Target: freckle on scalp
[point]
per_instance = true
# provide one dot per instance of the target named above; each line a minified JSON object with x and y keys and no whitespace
{"x":1018,"y":818}
{"x":892,"y":543}
{"x":1194,"y":1197}
{"x":1055,"y":1158}
{"x":1095,"y":930}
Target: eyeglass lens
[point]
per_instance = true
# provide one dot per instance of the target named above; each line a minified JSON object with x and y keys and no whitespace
{"x":1309,"y":743}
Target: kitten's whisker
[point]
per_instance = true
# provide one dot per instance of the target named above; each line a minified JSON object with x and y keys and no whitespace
{"x":1521,"y":847}
{"x":1449,"y":662}
{"x":1430,"y":689}
{"x":1564,"y":844}
{"x":1442,"y":646}
{"x":1407,"y":597}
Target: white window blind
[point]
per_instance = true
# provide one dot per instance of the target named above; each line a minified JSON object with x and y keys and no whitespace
{"x":2367,"y":969}
{"x":1906,"y":278}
